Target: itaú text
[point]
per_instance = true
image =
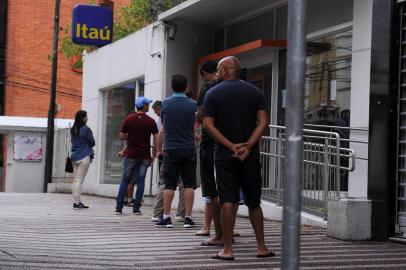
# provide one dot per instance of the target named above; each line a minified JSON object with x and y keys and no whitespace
{"x":82,"y":31}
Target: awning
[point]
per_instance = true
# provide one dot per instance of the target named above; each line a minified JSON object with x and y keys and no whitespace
{"x":215,"y":12}
{"x":245,"y":49}
{"x":17,"y":123}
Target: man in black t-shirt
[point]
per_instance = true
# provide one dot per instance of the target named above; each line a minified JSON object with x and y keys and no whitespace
{"x":209,"y":190}
{"x":235,"y":115}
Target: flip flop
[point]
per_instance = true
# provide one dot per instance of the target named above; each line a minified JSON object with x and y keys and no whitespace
{"x":218,"y":257}
{"x":208,"y":244}
{"x":235,"y":234}
{"x":268,"y":255}
{"x":202,"y":234}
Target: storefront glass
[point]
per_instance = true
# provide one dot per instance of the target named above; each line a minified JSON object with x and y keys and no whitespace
{"x":328,"y":81}
{"x":261,"y":77}
{"x":260,"y":27}
{"x":119,"y":103}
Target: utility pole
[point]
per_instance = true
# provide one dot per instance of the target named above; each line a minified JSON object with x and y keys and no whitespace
{"x":49,"y":155}
{"x":294,"y":133}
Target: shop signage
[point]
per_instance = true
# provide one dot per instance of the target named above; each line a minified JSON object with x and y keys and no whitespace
{"x":92,"y":25}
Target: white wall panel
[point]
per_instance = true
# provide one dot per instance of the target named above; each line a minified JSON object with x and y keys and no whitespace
{"x":360,"y":90}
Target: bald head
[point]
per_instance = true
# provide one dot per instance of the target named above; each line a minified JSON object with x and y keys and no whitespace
{"x":229,"y":68}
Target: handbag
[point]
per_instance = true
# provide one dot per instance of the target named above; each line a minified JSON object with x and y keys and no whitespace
{"x":68,"y":162}
{"x":68,"y":165}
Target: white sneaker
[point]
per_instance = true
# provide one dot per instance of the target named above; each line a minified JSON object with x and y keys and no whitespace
{"x":155,"y":219}
{"x":179,"y":219}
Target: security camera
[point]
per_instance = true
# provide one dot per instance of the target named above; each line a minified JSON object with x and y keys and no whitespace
{"x":172,"y":29}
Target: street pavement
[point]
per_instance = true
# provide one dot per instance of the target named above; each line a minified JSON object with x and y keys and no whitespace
{"x":41,"y":231}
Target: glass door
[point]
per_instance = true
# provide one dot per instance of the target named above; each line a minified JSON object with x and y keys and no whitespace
{"x":261,"y":77}
{"x":120,"y":102}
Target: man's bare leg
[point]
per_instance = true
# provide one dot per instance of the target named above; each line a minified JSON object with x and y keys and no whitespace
{"x":189,"y":199}
{"x":257,"y":221}
{"x":168,"y":198}
{"x":227,"y":222}
{"x":235,"y":232}
{"x":208,"y":216}
{"x":216,"y":208}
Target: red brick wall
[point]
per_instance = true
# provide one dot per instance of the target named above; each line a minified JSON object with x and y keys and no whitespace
{"x":29,"y":42}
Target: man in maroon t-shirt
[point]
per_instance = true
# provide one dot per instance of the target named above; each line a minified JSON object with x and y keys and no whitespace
{"x":137,"y":129}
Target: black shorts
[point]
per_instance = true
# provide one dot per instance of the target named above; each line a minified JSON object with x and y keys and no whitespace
{"x":179,"y":163}
{"x":233,"y":174}
{"x":209,"y":188}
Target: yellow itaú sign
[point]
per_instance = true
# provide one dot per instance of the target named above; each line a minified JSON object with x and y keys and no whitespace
{"x":92,"y":25}
{"x":83,"y":31}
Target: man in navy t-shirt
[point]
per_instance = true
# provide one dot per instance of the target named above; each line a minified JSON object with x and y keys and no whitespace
{"x":236,"y":115}
{"x":178,"y":114}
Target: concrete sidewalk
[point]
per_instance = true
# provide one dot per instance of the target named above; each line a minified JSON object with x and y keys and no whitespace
{"x":41,"y":231}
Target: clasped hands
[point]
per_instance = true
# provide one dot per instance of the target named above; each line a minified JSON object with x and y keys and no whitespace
{"x":241,"y":151}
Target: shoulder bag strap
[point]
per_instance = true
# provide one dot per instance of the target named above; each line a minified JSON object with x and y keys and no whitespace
{"x":68,"y":143}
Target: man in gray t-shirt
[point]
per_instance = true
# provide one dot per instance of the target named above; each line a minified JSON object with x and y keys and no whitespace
{"x":178,"y":114}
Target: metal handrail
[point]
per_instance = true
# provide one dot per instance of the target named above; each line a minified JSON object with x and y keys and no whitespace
{"x":349,"y":140}
{"x":337,"y":127}
{"x":325,"y":162}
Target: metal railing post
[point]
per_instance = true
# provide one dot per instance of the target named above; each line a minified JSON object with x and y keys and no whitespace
{"x":294,"y":133}
{"x":338,"y":165}
{"x":326,"y":180}
{"x":279,"y":161}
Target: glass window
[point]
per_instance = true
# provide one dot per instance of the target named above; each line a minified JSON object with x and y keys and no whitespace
{"x":282,"y":22}
{"x":260,"y":27}
{"x":322,"y":14}
{"x":328,"y":88}
{"x":119,"y":103}
{"x":218,"y":42}
{"x":328,"y":80}
{"x":282,"y":87}
{"x":261,"y":77}
{"x":141,"y":88}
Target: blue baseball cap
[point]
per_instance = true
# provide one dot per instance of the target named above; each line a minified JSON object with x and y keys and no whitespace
{"x":141,"y":102}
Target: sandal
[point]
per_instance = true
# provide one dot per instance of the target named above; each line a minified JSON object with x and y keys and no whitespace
{"x":210,"y":244}
{"x":202,"y":233}
{"x":224,"y":258}
{"x":268,"y":255}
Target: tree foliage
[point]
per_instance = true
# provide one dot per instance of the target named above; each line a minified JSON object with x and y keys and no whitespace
{"x":127,"y":19}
